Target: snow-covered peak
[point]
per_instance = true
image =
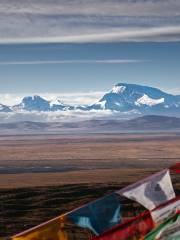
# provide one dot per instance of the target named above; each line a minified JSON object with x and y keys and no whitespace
{"x":146,"y":100}
{"x":33,"y":98}
{"x":123,"y":97}
{"x":55,"y":102}
{"x":4,"y":108}
{"x":101,"y":104}
{"x":1,"y":107}
{"x":32,"y":103}
{"x":118,"y":89}
{"x":132,"y":97}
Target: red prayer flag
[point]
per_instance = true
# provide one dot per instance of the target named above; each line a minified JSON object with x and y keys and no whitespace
{"x":135,"y":228}
{"x":175,"y":168}
{"x":166,"y":210}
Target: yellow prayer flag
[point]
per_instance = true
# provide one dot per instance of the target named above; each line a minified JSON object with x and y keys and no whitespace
{"x":52,"y":230}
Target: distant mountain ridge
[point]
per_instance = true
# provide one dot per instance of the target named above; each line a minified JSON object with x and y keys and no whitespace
{"x":136,"y":98}
{"x":123,"y":98}
{"x":145,"y":123}
{"x":4,"y":108}
{"x":37,"y":103}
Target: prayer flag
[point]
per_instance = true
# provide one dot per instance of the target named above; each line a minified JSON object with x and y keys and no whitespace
{"x":169,"y":230}
{"x":135,"y":228}
{"x":98,"y":216}
{"x":56,"y":229}
{"x":52,"y":230}
{"x":176,"y":168}
{"x":152,"y":191}
{"x":166,"y":211}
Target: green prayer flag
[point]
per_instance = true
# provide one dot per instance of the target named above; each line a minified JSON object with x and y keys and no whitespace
{"x":168,"y":230}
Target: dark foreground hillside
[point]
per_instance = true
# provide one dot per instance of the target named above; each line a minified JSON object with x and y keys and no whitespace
{"x":44,"y":176}
{"x":27,"y":207}
{"x":23,"y":208}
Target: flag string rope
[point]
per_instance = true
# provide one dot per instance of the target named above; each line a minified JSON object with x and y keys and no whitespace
{"x":172,"y":168}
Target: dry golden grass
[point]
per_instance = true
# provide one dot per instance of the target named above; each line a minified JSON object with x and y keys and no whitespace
{"x":81,"y":168}
{"x":84,"y":159}
{"x":73,"y":177}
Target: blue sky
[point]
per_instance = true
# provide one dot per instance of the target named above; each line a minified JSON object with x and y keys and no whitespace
{"x":75,"y":46}
{"x":88,"y":67}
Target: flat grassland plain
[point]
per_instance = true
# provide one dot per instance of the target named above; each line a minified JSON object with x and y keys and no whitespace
{"x":42,"y":176}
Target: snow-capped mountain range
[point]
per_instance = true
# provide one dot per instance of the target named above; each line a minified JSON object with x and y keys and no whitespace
{"x":37,"y":103}
{"x":125,"y":98}
{"x":137,"y":98}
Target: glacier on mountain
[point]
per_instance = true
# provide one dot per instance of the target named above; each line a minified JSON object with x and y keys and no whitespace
{"x":122,"y":98}
{"x":146,"y":100}
{"x":143,"y":99}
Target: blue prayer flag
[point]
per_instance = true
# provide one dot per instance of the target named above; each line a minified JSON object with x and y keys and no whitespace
{"x":98,"y":216}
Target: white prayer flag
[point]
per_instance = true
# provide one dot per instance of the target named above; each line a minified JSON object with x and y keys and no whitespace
{"x":161,"y":214}
{"x":151,"y":191}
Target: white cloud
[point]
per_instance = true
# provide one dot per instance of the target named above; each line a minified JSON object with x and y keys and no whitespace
{"x":73,"y":98}
{"x":175,"y":91}
{"x":82,"y":98}
{"x":79,"y":21}
{"x":10,"y":99}
{"x":168,"y":33}
{"x":93,"y":61}
{"x":58,"y":116}
{"x":93,"y":7}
